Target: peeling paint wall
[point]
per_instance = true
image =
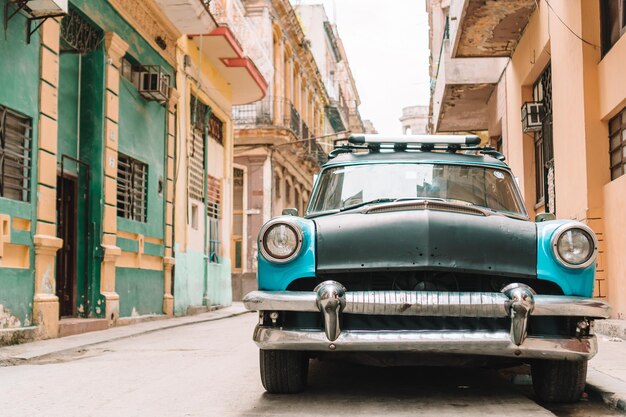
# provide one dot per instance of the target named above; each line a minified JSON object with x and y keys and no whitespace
{"x":19,"y":90}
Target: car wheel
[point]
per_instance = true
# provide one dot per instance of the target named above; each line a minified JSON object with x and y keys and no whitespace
{"x":284,"y":371}
{"x":559,"y":381}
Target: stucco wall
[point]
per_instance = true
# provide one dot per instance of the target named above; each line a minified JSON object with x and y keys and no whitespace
{"x":615,"y":225}
{"x":19,"y":90}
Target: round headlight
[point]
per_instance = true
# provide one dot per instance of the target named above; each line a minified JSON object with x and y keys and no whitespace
{"x":280,"y":241}
{"x":575,"y":247}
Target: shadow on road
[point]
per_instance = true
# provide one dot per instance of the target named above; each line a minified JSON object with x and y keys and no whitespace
{"x":353,"y":389}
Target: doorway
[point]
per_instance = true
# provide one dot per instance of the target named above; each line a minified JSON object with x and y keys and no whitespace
{"x":67,"y":223}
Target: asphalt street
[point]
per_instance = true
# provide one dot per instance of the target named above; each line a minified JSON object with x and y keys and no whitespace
{"x":211,"y":369}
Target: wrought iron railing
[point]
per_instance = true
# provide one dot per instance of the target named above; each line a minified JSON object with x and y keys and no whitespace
{"x":279,"y":112}
{"x":271,"y":111}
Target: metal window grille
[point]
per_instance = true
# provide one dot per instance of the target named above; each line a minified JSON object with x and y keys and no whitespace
{"x":216,"y":129}
{"x":199,"y":115}
{"x":196,"y":166}
{"x":213,"y":205}
{"x":199,"y":120}
{"x":617,"y":144}
{"x":15,"y":154}
{"x":544,"y":149}
{"x":132,"y":186}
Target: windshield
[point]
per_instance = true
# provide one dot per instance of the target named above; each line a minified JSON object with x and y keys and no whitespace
{"x":351,"y":186}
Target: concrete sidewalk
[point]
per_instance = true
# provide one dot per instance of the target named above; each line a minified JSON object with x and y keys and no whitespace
{"x":18,"y":354}
{"x":606,"y":374}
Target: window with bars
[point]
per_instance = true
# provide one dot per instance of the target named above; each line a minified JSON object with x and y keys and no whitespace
{"x":544,"y":153}
{"x":15,"y":154}
{"x":613,"y":16}
{"x":132,"y":188}
{"x":196,"y":166}
{"x":199,"y":119}
{"x":213,"y":207}
{"x":216,"y":129}
{"x":617,"y":144}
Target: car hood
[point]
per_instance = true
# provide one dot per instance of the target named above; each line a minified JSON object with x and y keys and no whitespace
{"x":492,"y":244}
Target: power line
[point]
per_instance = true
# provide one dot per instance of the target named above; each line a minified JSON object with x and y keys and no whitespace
{"x":569,"y":28}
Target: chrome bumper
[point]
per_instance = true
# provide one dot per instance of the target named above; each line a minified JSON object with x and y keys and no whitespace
{"x":516,"y":301}
{"x":443,"y":342}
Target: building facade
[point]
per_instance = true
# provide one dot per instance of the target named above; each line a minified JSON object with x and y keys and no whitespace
{"x":549,"y":90}
{"x":342,"y":112}
{"x":415,"y":120}
{"x":100,"y":108}
{"x":276,"y":154}
{"x":215,"y":72}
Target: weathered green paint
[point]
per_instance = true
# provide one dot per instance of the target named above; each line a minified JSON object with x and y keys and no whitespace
{"x":69,"y":99}
{"x":153,"y":249}
{"x":219,"y":283}
{"x":140,"y":291}
{"x":91,"y":152}
{"x":128,"y":245}
{"x":17,"y":287}
{"x":74,"y":102}
{"x":142,"y":136}
{"x":104,"y":15}
{"x":19,"y":90}
{"x":15,"y":208}
{"x":21,"y":237}
{"x":190,"y":282}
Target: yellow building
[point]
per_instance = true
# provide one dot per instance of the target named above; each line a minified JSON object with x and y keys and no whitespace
{"x":215,"y":72}
{"x":495,"y":65}
{"x":274,"y":156}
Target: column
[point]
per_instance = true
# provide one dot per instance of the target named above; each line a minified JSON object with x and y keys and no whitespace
{"x":45,"y":301}
{"x":115,"y":49}
{"x":279,"y":81}
{"x":168,"y":258}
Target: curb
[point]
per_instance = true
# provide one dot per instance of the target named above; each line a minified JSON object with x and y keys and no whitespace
{"x":611,"y":399}
{"x":18,"y":359}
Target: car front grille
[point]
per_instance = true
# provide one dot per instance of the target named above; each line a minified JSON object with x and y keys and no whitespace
{"x":424,"y":281}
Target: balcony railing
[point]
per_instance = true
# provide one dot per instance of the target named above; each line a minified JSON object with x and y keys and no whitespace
{"x":279,"y":112}
{"x":232,"y":13}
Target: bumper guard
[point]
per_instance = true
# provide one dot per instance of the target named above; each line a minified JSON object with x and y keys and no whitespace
{"x":516,"y":301}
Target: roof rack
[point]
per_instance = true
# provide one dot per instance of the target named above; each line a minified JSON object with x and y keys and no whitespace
{"x":422,"y":143}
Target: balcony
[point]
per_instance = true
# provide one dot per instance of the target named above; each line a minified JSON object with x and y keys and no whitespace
{"x":231,"y":14}
{"x":461,"y":91}
{"x":280,"y":113}
{"x":189,"y":16}
{"x":485,"y":28}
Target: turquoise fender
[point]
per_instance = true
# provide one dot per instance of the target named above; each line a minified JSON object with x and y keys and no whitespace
{"x":276,"y":277}
{"x":578,"y":282}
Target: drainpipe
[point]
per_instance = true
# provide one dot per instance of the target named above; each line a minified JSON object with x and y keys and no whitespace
{"x":205,"y":183}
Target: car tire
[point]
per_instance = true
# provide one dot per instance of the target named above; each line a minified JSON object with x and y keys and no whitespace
{"x":284,"y":371}
{"x":559,"y":381}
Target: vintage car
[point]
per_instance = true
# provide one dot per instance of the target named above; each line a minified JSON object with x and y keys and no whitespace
{"x":419,"y":250}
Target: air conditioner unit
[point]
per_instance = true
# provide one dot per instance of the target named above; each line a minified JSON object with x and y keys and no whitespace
{"x":533,"y":114}
{"x":154,"y":83}
{"x":43,"y":8}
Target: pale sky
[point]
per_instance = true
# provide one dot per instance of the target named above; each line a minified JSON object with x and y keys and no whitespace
{"x":387,"y":46}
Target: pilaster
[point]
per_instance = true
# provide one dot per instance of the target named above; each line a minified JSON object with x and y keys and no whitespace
{"x":115,"y":48}
{"x":45,"y":301}
{"x":168,"y":260}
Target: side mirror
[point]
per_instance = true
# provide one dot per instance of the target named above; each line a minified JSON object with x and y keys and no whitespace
{"x":544,"y":217}
{"x":290,"y":212}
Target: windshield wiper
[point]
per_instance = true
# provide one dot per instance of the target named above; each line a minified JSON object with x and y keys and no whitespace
{"x":364,"y":203}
